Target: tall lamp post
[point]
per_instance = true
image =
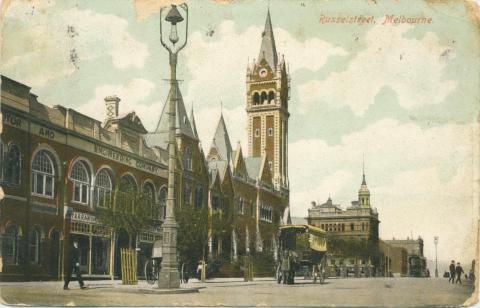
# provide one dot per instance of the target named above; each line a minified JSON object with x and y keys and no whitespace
{"x":169,"y":277}
{"x":435,"y":240}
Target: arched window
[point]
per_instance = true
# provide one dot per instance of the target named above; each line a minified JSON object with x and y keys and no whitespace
{"x":241,"y":207}
{"x":271,"y":97}
{"x":81,"y":182}
{"x":126,"y":194}
{"x":149,"y":193}
{"x":34,"y":246}
{"x":163,"y":201}
{"x":199,"y":197}
{"x":43,"y":174}
{"x":256,"y":98}
{"x":187,"y":158}
{"x":263,"y":97}
{"x":11,"y":245}
{"x":128,"y":184}
{"x":13,"y":165}
{"x":187,"y":194}
{"x":103,"y":188}
{"x":270,"y":132}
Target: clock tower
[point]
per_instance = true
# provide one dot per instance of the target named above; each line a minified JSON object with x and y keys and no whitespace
{"x":268,"y":86}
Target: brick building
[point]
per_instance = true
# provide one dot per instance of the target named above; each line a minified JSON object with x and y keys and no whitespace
{"x":59,"y":168}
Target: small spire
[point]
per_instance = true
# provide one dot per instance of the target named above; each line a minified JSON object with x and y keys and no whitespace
{"x":221,"y":108}
{"x":363,"y":170}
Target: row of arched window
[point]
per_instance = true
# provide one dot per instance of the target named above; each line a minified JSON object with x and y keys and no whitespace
{"x":86,"y":187}
{"x":340,"y":227}
{"x":12,"y":240}
{"x":263,"y":98}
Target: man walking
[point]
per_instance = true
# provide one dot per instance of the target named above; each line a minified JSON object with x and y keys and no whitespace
{"x":74,"y":266}
{"x":452,"y":272}
{"x":459,"y":271}
{"x":286,"y":267}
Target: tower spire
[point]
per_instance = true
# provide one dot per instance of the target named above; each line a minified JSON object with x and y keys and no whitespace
{"x":268,"y":50}
{"x":363,"y":170}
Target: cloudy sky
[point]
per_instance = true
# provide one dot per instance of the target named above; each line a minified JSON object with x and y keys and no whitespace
{"x":404,"y":96}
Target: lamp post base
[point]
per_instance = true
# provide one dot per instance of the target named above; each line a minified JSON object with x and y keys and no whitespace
{"x":169,"y":279}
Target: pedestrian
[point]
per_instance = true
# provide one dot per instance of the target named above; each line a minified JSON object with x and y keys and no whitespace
{"x":459,"y":271}
{"x":452,"y":272}
{"x":186,"y":273}
{"x":74,"y":266}
{"x":286,"y":267}
{"x":199,"y":271}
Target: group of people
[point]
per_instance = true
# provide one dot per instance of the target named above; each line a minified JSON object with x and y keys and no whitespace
{"x":287,"y":268}
{"x":455,"y":271}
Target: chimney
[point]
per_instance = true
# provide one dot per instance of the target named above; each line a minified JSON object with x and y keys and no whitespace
{"x":112,"y":102}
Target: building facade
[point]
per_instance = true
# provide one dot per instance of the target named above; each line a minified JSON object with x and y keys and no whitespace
{"x":416,"y":261}
{"x":357,"y":225}
{"x":60,"y":169}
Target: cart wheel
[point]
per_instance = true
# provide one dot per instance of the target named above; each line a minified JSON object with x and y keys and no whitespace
{"x":150,"y":274}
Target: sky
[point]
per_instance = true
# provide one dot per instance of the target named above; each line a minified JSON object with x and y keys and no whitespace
{"x":403,"y":96}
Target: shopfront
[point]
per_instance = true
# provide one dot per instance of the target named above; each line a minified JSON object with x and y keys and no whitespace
{"x":94,"y":241}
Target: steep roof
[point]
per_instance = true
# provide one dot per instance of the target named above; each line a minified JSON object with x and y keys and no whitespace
{"x":221,"y":141}
{"x":194,"y":126}
{"x":268,"y":49}
{"x":253,"y":165}
{"x":159,"y":137}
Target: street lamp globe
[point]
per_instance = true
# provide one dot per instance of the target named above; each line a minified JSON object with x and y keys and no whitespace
{"x":174,"y":17}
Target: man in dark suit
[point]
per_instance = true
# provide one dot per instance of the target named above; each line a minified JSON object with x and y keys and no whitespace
{"x":452,"y":272}
{"x":459,"y":271}
{"x":74,"y":266}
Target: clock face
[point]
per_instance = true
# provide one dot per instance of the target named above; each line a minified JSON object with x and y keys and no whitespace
{"x":263,"y":73}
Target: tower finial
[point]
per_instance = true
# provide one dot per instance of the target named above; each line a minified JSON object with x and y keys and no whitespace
{"x":221,"y":108}
{"x":363,"y":169}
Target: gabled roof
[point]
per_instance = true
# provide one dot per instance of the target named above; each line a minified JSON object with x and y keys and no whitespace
{"x":239,"y":161}
{"x":253,"y":165}
{"x":129,"y":120}
{"x":218,"y":165}
{"x":221,"y":142}
{"x":159,"y":137}
{"x":268,"y":49}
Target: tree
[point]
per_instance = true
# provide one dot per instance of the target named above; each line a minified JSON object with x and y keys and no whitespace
{"x":129,"y":211}
{"x":192,"y":233}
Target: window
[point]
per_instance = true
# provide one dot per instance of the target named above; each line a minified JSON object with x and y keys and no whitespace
{"x":226,"y":206}
{"x":13,"y":165}
{"x":257,"y":132}
{"x":256,"y":98}
{"x":187,"y":158}
{"x":352,"y":227}
{"x":126,"y":194}
{"x":34,"y":247}
{"x":271,"y":97}
{"x":215,"y":202}
{"x":163,"y":201}
{"x":270,"y":132}
{"x":103,"y":188}
{"x":266,"y":213}
{"x":186,"y":194}
{"x":81,"y":182}
{"x":270,"y":165}
{"x":263,"y":97}
{"x":241,"y":207}
{"x":199,"y":197}
{"x":149,"y":193}
{"x":43,"y":174}
{"x":11,"y":245}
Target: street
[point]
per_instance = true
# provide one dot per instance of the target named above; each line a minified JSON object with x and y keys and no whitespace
{"x":235,"y":292}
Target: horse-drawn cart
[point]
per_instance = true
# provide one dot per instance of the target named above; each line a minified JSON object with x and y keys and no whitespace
{"x":301,"y":246}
